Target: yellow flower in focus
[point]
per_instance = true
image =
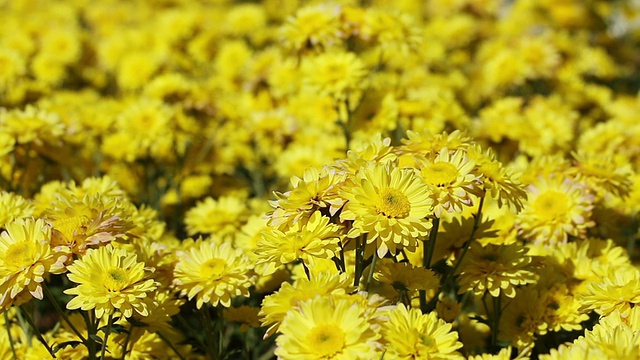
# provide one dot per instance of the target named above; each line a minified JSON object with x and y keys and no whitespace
{"x":213,"y":273}
{"x":335,"y":74}
{"x":556,"y":208}
{"x":277,"y":305}
{"x":409,"y":335}
{"x":326,"y":328}
{"x":452,"y":180}
{"x":619,"y":290}
{"x":305,"y":241}
{"x":26,"y":260}
{"x":110,"y":280}
{"x":222,"y":217}
{"x":496,"y":269}
{"x":388,"y":204}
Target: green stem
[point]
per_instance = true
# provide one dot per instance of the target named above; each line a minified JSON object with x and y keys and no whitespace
{"x":306,"y":270}
{"x":496,"y":321}
{"x":371,"y":271}
{"x":63,"y":314}
{"x":126,"y":343}
{"x":106,"y":336}
{"x":359,"y":260}
{"x":170,"y":345}
{"x":427,"y":253}
{"x":220,"y":331}
{"x":476,"y":224}
{"x":7,"y":324}
{"x":37,"y":332}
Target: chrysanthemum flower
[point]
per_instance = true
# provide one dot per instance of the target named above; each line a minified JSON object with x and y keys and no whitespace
{"x":213,"y":273}
{"x":26,"y":259}
{"x":556,"y":209}
{"x":614,"y":338}
{"x":335,"y":74}
{"x":306,"y":241}
{"x":562,"y":310}
{"x":409,"y":334}
{"x":14,"y":206}
{"x":316,"y":190}
{"x":275,"y":306}
{"x":618,"y":290}
{"x":313,"y":26}
{"x":390,"y":205}
{"x":496,"y":269}
{"x":110,"y":280}
{"x":452,"y":179}
{"x":406,"y":278}
{"x":522,"y":319}
{"x":222,"y":217}
{"x":326,"y":328}
{"x":602,"y":173}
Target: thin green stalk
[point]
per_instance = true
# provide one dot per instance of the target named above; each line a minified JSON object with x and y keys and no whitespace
{"x":306,"y":270}
{"x":170,"y":345}
{"x":126,"y":342}
{"x":427,"y":254}
{"x":371,"y":271}
{"x":37,"y":332}
{"x":220,"y":331}
{"x":7,"y":324}
{"x":62,"y":313}
{"x":359,"y":260}
{"x":497,"y":312}
{"x":209,"y":333}
{"x":106,"y":336}
{"x":476,"y":224}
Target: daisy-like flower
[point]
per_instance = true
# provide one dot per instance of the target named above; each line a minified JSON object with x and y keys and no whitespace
{"x":316,"y":190}
{"x":222,"y":217}
{"x":602,"y":173}
{"x":409,"y":334}
{"x":275,"y":306}
{"x":313,"y":26}
{"x":562,"y":310}
{"x":452,"y":180}
{"x":523,"y":318}
{"x":326,"y":328}
{"x":618,"y":290}
{"x":26,"y":259}
{"x":556,"y":209}
{"x":14,"y":207}
{"x":388,"y":204}
{"x":496,"y":269}
{"x":428,"y":144}
{"x":306,"y":241}
{"x":213,"y":273}
{"x":406,"y":278}
{"x":335,"y":74}
{"x":110,"y":280}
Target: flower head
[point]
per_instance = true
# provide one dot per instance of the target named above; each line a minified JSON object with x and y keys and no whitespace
{"x":110,"y":280}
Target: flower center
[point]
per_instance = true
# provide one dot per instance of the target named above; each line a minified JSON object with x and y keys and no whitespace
{"x":213,"y":268}
{"x":326,"y":340}
{"x":393,"y":204}
{"x":116,"y":279}
{"x":551,"y":205}
{"x":20,"y":255}
{"x":440,"y":174}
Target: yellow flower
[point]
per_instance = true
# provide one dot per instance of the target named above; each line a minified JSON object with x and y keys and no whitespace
{"x":619,"y":289}
{"x":409,"y":334}
{"x":27,"y":259}
{"x":556,"y":208}
{"x":246,"y":316}
{"x":451,"y":179}
{"x":110,"y":280}
{"x":305,"y":240}
{"x":14,"y":207}
{"x":522,"y":319}
{"x":275,"y":306}
{"x":406,"y":278}
{"x":313,"y":26}
{"x":213,"y":273}
{"x":388,"y":204}
{"x":496,"y":269}
{"x":222,"y":217}
{"x":326,"y":328}
{"x":335,"y":74}
{"x":32,"y":125}
{"x":602,"y":173}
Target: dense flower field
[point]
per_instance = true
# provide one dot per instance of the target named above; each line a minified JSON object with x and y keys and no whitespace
{"x":442,"y":179}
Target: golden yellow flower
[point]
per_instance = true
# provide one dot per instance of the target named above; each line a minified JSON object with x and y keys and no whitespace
{"x":326,"y":328}
{"x":619,"y":289}
{"x":222,"y":217}
{"x":388,"y":204}
{"x":110,"y":280}
{"x":313,"y":26}
{"x":409,"y":334}
{"x":213,"y":273}
{"x":335,"y":74}
{"x":27,"y":259}
{"x":14,"y":207}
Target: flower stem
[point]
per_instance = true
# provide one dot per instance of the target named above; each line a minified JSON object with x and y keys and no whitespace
{"x":496,"y":321}
{"x":106,"y":336}
{"x":7,"y":324}
{"x":476,"y":224}
{"x":170,"y":345}
{"x":373,"y":268}
{"x":63,"y":314}
{"x":36,"y":331}
{"x":126,"y":343}
{"x":427,"y":253}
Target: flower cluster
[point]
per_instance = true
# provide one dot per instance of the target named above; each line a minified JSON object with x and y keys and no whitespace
{"x":330,"y":179}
